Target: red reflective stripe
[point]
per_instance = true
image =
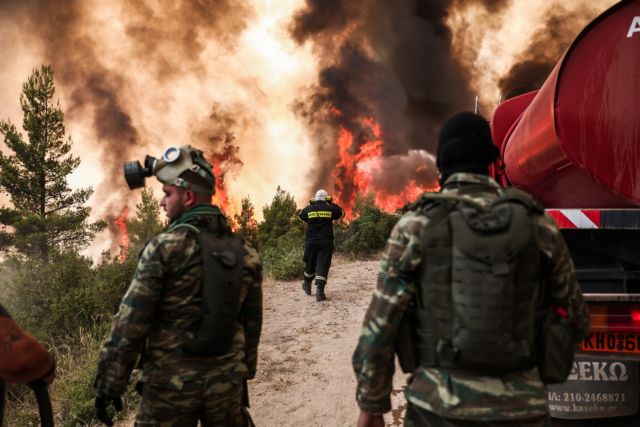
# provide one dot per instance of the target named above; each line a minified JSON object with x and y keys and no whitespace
{"x":561,"y":219}
{"x":593,"y":215}
{"x":564,"y":221}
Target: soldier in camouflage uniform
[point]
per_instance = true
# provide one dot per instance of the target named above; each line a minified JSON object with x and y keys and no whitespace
{"x":163,"y":305}
{"x":437,"y":396}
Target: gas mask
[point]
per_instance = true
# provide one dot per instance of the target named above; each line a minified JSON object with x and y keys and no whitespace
{"x":169,"y":167}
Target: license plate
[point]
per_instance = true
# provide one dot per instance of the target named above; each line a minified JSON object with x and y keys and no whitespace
{"x":611,"y":342}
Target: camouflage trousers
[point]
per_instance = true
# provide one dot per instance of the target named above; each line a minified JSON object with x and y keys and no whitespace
{"x":213,"y":404}
{"x":416,"y":417}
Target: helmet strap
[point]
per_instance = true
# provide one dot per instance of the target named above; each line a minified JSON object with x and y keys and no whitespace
{"x":189,"y":186}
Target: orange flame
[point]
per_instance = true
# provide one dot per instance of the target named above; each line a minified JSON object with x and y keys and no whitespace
{"x":221,"y":197}
{"x":123,"y":238}
{"x":392,"y":202}
{"x":347,"y":167}
{"x":224,"y":160}
{"x":353,"y":173}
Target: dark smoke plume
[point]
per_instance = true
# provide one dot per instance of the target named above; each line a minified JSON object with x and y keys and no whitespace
{"x":187,"y":27}
{"x":404,"y":168}
{"x":388,"y":60}
{"x":218,"y":133}
{"x":546,"y":48}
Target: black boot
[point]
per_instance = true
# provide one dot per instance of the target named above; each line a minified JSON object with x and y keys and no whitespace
{"x":306,"y":286}
{"x":320,"y":296}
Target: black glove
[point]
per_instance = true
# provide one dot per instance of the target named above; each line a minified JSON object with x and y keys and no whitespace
{"x":102,"y":403}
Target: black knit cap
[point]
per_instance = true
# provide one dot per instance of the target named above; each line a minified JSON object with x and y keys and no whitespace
{"x":465,"y":145}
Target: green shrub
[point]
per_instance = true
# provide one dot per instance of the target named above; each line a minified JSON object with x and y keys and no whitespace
{"x":368,"y":233}
{"x":340,"y":234}
{"x":72,"y":393}
{"x":281,"y":238}
{"x":21,"y":407}
{"x":55,"y":300}
{"x":112,"y":278}
{"x":73,"y":389}
{"x":76,"y":368}
{"x":279,"y":218}
{"x":69,"y":304}
{"x":51,"y":300}
{"x":282,"y":257}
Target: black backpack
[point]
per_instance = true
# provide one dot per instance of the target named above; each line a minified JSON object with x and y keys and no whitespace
{"x":222,"y":260}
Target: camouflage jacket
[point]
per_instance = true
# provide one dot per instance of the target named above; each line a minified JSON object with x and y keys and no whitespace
{"x":452,"y":394}
{"x":162,"y":302}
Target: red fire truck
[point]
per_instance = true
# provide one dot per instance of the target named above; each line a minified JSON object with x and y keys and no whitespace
{"x":575,"y":145}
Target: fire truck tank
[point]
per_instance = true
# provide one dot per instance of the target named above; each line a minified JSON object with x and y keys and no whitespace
{"x":576,"y":142}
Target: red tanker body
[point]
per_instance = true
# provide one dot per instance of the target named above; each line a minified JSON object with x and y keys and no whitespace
{"x":575,"y":145}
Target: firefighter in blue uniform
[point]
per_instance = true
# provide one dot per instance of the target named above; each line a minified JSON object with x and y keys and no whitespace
{"x":318,"y":249}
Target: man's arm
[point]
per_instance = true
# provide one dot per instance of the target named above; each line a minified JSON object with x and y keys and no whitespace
{"x":337,"y":212}
{"x":252,"y":308}
{"x":132,"y":323}
{"x":22,"y":358}
{"x":373,"y":359}
{"x":561,"y":284}
{"x":303,"y":215}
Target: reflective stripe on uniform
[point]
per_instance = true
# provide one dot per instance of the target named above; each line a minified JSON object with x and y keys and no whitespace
{"x":308,"y":274}
{"x":319,"y":214}
{"x":321,"y":278}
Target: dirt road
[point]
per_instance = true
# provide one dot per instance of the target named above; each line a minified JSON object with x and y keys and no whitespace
{"x":304,"y":375}
{"x":304,"y":368}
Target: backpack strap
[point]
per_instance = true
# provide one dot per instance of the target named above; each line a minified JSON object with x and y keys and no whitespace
{"x":45,"y":410}
{"x":425,"y":202}
{"x":187,"y":226}
{"x":506,"y":195}
{"x":2,"y":401}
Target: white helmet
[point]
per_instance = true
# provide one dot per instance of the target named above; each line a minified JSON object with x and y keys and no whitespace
{"x":321,"y":195}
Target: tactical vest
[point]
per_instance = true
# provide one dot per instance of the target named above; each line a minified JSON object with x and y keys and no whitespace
{"x":477,"y":301}
{"x":222,"y":259}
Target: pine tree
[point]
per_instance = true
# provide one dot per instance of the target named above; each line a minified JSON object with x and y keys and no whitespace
{"x":245,"y":221}
{"x":147,"y":223}
{"x":46,"y":214}
{"x":280,"y":218}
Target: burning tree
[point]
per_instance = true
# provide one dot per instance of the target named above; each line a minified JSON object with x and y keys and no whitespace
{"x":46,"y":213}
